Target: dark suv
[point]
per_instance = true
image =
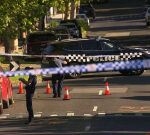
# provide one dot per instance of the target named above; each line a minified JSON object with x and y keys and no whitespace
{"x":61,"y":33}
{"x":75,"y":22}
{"x":88,"y":10}
{"x":36,"y":41}
{"x":82,"y":51}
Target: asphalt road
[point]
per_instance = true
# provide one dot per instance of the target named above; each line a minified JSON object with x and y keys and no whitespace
{"x":125,"y":111}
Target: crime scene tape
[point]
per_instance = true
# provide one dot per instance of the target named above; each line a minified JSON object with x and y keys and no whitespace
{"x":98,"y":67}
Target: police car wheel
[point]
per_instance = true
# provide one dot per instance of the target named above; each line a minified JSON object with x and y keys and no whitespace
{"x":132,"y":72}
{"x":73,"y":75}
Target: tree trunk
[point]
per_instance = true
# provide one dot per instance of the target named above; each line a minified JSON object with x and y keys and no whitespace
{"x":67,"y":11}
{"x":73,"y":10}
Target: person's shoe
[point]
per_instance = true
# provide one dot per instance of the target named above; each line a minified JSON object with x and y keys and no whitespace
{"x":29,"y":123}
{"x":55,"y":96}
{"x":59,"y":95}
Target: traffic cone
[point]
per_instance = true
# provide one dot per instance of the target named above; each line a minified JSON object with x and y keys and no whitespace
{"x":48,"y":89}
{"x":66,"y":96}
{"x":20,"y":88}
{"x":107,"y":92}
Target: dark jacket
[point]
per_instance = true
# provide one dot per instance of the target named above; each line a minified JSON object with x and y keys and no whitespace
{"x":33,"y":80}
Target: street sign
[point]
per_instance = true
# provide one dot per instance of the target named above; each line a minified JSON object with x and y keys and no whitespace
{"x":14,"y":66}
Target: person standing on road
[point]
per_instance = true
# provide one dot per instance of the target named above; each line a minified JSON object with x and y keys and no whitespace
{"x":30,"y":89}
{"x":57,"y":79}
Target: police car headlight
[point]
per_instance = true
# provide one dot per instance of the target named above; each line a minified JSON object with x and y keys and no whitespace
{"x":146,"y":52}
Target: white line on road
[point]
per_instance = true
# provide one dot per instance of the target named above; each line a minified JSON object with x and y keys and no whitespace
{"x":88,"y":115}
{"x":100,"y":92}
{"x":3,"y":117}
{"x":101,"y":114}
{"x":95,"y":108}
{"x":37,"y":115}
{"x":70,"y":114}
{"x":53,"y":115}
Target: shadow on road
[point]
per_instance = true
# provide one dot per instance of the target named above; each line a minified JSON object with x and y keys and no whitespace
{"x":145,"y":98}
{"x":78,"y":126}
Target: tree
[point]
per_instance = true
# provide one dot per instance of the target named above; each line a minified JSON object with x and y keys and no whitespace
{"x":19,"y":15}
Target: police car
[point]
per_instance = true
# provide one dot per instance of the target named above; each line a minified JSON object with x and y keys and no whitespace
{"x":94,"y":50}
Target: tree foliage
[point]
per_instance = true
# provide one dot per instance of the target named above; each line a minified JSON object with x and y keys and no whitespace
{"x":22,"y":14}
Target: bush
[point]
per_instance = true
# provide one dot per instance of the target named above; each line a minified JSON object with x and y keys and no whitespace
{"x":53,"y":24}
{"x":83,"y":24}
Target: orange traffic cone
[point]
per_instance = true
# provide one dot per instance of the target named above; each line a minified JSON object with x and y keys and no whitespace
{"x":107,"y":92}
{"x":20,"y":88}
{"x":48,"y":89}
{"x":66,"y":96}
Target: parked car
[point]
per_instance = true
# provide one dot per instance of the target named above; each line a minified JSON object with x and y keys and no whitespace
{"x":61,"y":33}
{"x":102,"y":49}
{"x":6,"y":96}
{"x":74,"y":21}
{"x":88,"y":10}
{"x":36,"y":41}
{"x":73,"y":30}
{"x":83,"y":17}
{"x":147,"y":17}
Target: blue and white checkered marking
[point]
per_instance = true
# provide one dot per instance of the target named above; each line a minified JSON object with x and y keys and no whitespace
{"x":99,"y":67}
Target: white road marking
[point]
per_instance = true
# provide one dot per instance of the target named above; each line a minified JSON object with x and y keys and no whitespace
{"x":100,"y":92}
{"x":70,"y":114}
{"x":87,"y":128}
{"x":96,"y":90}
{"x":88,"y":115}
{"x":101,"y":114}
{"x":95,"y":108}
{"x":3,"y":117}
{"x":37,"y":115}
{"x":53,"y":115}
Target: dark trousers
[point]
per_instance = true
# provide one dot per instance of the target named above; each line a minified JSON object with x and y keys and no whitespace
{"x":57,"y":82}
{"x":29,"y":105}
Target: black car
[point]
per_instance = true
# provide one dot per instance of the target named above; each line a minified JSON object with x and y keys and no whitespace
{"x":73,"y":30}
{"x":36,"y":41}
{"x":81,"y":51}
{"x":73,"y":21}
{"x":88,"y":10}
